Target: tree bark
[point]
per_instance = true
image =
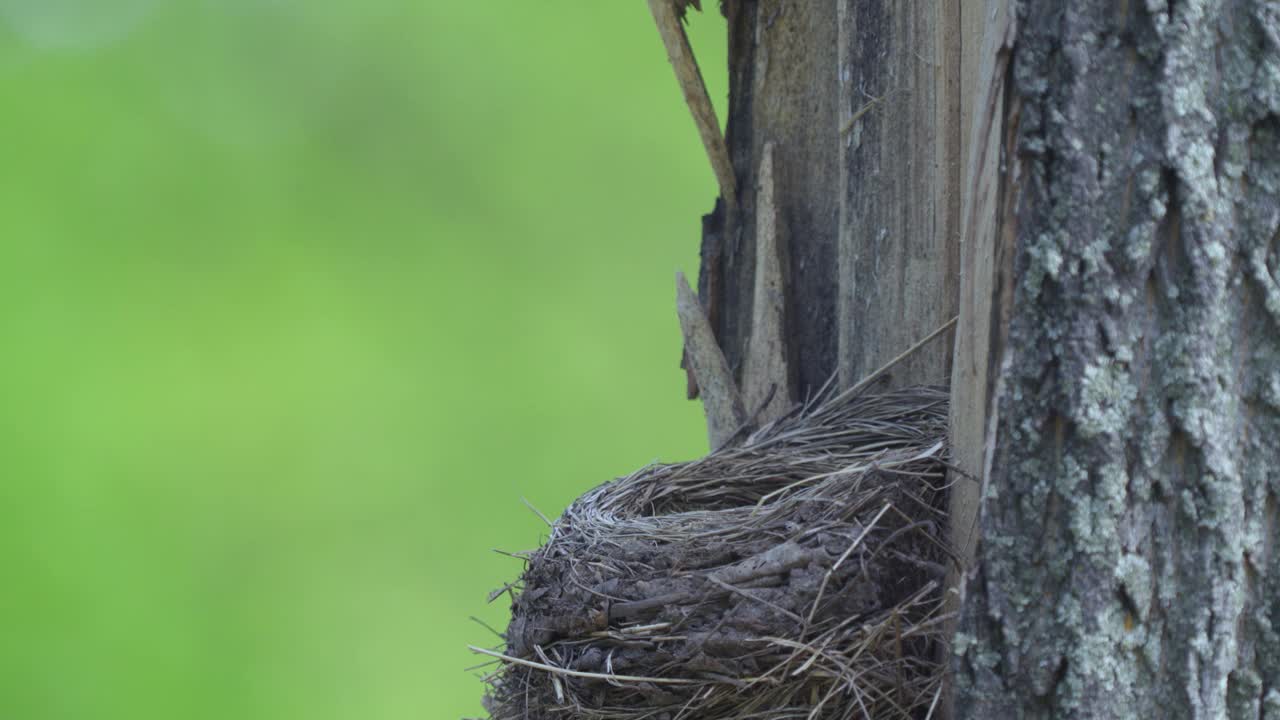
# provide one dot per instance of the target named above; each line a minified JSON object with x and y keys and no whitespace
{"x":1093,"y":186}
{"x":1127,"y":565}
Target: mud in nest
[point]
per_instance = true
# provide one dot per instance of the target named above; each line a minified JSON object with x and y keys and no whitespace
{"x":798,"y":574}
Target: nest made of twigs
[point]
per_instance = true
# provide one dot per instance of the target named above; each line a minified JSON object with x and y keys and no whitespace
{"x":796,"y":575}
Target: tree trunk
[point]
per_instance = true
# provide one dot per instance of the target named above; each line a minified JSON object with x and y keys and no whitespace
{"x":1092,"y":186}
{"x":1127,"y":565}
{"x":862,"y":101}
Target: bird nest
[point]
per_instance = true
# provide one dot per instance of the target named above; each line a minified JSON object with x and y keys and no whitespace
{"x":798,"y":574}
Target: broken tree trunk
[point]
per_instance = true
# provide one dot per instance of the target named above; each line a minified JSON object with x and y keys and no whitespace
{"x":1092,"y":186}
{"x":858,"y":114}
{"x":862,"y":103}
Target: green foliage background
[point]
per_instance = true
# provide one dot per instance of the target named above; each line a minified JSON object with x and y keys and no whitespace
{"x":297,"y":300}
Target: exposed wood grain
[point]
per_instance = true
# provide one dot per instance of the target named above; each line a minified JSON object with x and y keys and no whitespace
{"x":973,"y":18}
{"x":766,"y":378}
{"x":782,"y":89}
{"x":984,"y":71}
{"x":974,"y":368}
{"x":899,"y":190}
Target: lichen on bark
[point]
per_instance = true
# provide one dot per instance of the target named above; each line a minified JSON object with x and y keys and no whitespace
{"x":1128,"y":564}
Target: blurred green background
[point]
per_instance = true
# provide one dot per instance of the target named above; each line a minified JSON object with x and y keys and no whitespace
{"x":297,"y":300}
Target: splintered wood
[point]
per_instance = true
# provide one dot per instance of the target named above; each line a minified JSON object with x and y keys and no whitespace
{"x":666,"y":15}
{"x":721,"y":400}
{"x":766,"y":383}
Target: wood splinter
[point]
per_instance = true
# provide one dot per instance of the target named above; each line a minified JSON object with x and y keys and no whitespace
{"x":766,"y":378}
{"x":721,"y":400}
{"x":666,"y":14}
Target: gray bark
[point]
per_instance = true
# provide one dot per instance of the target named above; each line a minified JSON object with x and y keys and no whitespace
{"x":1128,"y":563}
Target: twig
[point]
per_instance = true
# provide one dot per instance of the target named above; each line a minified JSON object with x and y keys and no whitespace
{"x":934,"y":704}
{"x":581,"y":674}
{"x":537,"y":512}
{"x":848,"y":125}
{"x":695,"y":95}
{"x":877,"y":374}
{"x":756,"y":598}
{"x":827,"y":578}
{"x":486,"y":625}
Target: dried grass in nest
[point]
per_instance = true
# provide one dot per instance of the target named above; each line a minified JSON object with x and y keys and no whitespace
{"x":796,"y":575}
